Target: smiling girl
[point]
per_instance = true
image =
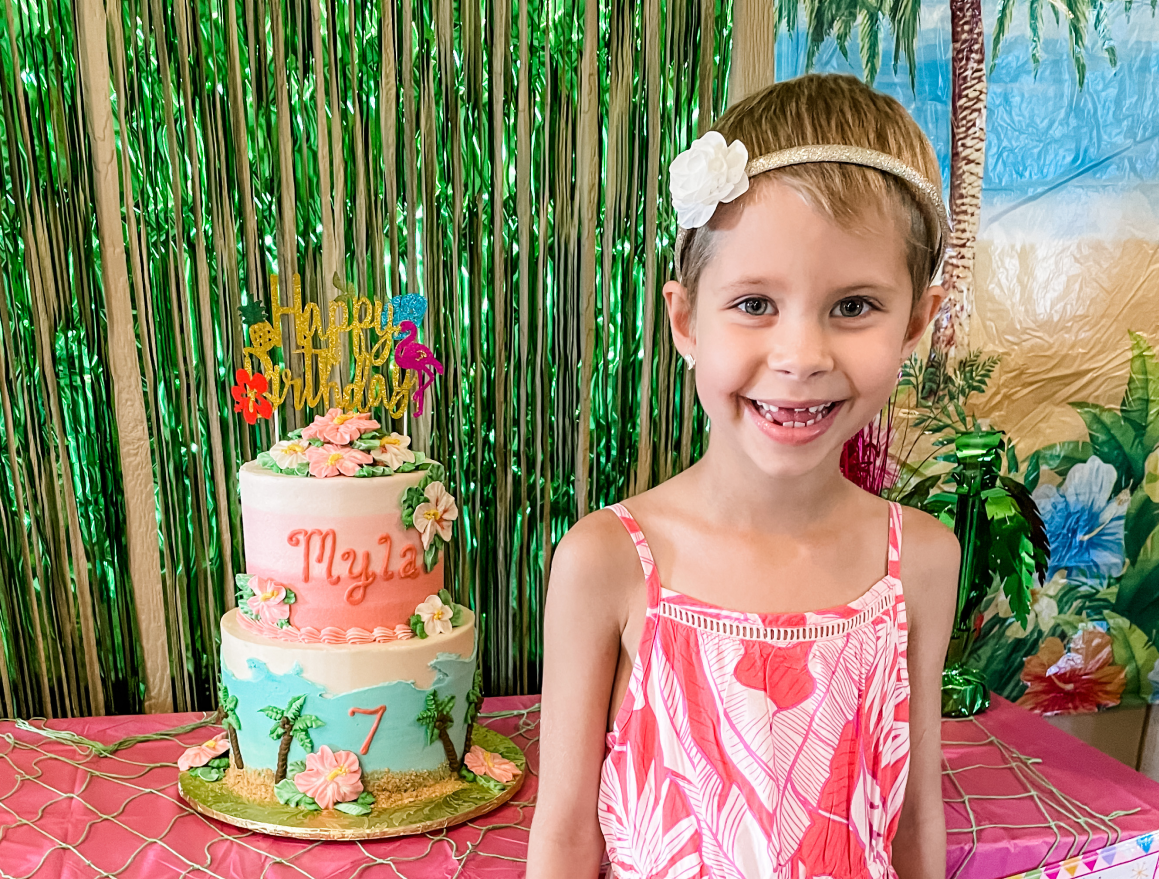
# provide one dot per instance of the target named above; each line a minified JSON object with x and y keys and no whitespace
{"x":736,"y":683}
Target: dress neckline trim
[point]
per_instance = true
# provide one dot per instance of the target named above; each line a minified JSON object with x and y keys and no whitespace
{"x":756,"y":627}
{"x":780,"y":618}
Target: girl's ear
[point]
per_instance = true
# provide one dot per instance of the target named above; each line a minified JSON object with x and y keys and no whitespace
{"x":923,"y":312}
{"x":680,"y":314}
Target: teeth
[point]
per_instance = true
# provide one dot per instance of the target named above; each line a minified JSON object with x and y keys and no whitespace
{"x":769,"y":411}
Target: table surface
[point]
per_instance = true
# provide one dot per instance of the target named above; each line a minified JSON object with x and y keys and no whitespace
{"x":1019,"y":794}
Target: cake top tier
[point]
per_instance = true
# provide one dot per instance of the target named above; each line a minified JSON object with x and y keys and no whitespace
{"x":344,"y":527}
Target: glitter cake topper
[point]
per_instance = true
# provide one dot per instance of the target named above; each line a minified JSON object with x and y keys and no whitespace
{"x":374,"y":339}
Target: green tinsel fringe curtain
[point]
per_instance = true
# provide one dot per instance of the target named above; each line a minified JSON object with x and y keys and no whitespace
{"x":161,"y":159}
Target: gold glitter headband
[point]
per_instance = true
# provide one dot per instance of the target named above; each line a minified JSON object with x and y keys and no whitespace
{"x":848,"y":155}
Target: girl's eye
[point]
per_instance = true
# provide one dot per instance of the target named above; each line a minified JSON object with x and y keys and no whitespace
{"x":851,"y":308}
{"x":755,"y":307}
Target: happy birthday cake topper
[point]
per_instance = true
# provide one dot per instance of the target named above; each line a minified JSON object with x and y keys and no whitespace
{"x":375,"y":339}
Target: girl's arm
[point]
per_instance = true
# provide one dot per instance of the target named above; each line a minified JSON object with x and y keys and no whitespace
{"x":583,"y":620}
{"x":930,"y":575}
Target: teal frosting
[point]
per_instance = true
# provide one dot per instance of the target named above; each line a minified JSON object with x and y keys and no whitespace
{"x":400,"y":744}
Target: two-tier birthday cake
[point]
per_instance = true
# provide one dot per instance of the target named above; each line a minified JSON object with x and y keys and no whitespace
{"x":349,"y":679}
{"x":349,"y":683}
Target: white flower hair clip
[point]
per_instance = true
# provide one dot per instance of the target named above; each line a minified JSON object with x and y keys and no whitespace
{"x":711,"y":172}
{"x":704,"y":175}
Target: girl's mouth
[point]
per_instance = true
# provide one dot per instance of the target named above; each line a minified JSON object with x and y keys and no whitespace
{"x":793,"y":425}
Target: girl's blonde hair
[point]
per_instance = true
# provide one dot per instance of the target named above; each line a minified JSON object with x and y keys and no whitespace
{"x":833,"y":109}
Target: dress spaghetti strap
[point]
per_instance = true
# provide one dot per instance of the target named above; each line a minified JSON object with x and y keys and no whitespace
{"x":647,"y":563}
{"x":894,"y":566}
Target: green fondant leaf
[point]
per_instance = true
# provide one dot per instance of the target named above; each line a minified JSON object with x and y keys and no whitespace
{"x":457,"y":616}
{"x":300,"y":470}
{"x":272,"y":712}
{"x":366,"y":798}
{"x":354,"y":808}
{"x":431,"y":555}
{"x":304,"y":741}
{"x":208,"y":773}
{"x":295,"y":434}
{"x":242,"y":581}
{"x":308,"y":721}
{"x":490,"y":783}
{"x":416,"y":626}
{"x":289,"y":795}
{"x":294,"y":768}
{"x":219,"y":763}
{"x":290,"y":597}
{"x":276,"y":731}
{"x":445,"y":596}
{"x":466,"y":774}
{"x":295,"y":707}
{"x":370,"y":470}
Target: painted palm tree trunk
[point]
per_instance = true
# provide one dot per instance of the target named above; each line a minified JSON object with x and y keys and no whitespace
{"x":967,"y":162}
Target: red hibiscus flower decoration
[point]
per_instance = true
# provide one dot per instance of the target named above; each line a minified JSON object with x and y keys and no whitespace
{"x":249,"y":396}
{"x":1077,"y":678}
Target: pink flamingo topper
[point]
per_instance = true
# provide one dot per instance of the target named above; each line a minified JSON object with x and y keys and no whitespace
{"x":411,"y":354}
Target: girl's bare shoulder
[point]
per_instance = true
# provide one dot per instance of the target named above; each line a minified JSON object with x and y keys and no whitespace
{"x":930,"y":556}
{"x":596,"y":566}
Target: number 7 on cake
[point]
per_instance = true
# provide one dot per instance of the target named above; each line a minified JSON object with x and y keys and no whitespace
{"x":377,"y":712}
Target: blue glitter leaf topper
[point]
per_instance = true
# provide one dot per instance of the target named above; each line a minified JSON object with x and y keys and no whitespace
{"x":410,"y":306}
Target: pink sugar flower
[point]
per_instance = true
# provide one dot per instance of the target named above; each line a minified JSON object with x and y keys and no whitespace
{"x":330,"y":777}
{"x":268,"y":601}
{"x":340,"y":427}
{"x":332,"y":460}
{"x":492,"y":765}
{"x":201,"y":754}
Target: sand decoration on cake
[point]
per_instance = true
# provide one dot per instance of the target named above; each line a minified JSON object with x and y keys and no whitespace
{"x":390,"y":789}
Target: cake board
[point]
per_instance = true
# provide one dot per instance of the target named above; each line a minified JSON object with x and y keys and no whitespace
{"x":215,"y":800}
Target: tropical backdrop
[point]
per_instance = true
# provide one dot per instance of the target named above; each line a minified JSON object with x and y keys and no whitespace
{"x":507,"y":163}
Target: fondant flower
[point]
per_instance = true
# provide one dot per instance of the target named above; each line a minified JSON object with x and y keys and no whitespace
{"x":492,"y":765}
{"x":340,"y":427}
{"x":330,"y":777}
{"x":435,"y":514}
{"x":201,"y":754}
{"x":1076,"y":679}
{"x":288,"y":454}
{"x":249,"y":396}
{"x":704,"y":175}
{"x":268,"y":601}
{"x":332,"y":460}
{"x":393,"y":451}
{"x":436,"y":616}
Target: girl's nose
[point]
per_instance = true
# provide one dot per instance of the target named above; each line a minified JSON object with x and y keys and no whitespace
{"x":800,"y":350}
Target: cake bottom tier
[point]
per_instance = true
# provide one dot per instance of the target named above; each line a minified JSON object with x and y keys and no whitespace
{"x":371,"y":699}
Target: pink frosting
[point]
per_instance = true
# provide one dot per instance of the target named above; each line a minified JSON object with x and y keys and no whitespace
{"x":328,"y":635}
{"x":346,"y":572}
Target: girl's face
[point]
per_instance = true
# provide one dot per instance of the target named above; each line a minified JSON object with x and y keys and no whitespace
{"x":799,"y":328}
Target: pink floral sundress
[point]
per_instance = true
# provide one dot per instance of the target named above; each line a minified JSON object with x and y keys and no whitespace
{"x":760,"y":745}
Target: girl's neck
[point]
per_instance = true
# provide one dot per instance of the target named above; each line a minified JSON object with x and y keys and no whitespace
{"x":728,"y":488}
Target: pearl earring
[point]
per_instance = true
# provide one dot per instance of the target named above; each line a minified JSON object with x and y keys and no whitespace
{"x":689,"y":361}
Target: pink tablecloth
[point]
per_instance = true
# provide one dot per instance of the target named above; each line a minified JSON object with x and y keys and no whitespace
{"x":65,"y":812}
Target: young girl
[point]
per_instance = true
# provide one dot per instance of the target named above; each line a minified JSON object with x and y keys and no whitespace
{"x":736,"y":683}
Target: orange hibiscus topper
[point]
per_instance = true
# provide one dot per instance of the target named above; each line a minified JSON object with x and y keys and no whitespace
{"x":249,"y":396}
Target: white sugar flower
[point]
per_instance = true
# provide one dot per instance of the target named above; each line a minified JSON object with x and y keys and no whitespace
{"x":288,"y":454}
{"x":704,"y":175}
{"x":435,"y":514}
{"x":392,"y":451}
{"x":435,"y":615}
